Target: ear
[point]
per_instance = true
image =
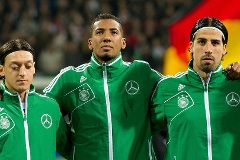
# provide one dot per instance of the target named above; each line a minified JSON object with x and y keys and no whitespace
{"x":124,"y":44}
{"x":90,"y":44}
{"x":190,"y":49}
{"x":224,"y":49}
{"x":2,"y":71}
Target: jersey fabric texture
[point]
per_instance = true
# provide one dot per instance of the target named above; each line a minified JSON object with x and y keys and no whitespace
{"x":108,"y":107}
{"x":29,"y":134}
{"x":202,"y":118}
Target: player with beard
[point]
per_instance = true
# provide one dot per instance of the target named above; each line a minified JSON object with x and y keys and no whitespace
{"x":201,"y":108}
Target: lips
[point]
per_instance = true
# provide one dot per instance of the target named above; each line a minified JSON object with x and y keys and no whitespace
{"x":22,"y":81}
{"x":208,"y":58}
{"x":107,"y":47}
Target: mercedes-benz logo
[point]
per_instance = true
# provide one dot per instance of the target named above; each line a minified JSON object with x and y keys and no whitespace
{"x":233,"y":99}
{"x":132,"y":87}
{"x":46,"y":120}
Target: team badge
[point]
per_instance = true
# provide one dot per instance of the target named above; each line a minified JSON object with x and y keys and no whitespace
{"x":233,"y":99}
{"x":46,"y":121}
{"x":6,"y":124}
{"x":132,"y":87}
{"x":85,"y":93}
{"x":183,"y":101}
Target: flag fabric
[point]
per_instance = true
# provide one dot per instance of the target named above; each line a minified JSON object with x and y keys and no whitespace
{"x":177,"y":56}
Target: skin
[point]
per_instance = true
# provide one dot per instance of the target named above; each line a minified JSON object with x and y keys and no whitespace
{"x":107,"y":40}
{"x":207,"y":50}
{"x":233,"y":70}
{"x":18,"y":70}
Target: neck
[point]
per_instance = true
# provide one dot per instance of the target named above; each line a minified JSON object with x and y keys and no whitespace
{"x":205,"y":76}
{"x":22,"y":96}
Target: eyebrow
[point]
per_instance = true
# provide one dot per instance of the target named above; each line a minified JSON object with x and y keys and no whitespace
{"x":111,"y":29}
{"x":200,"y":38}
{"x":17,"y":62}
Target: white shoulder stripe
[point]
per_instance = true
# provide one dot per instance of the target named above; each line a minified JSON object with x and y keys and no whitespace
{"x":80,"y":68}
{"x":178,"y":75}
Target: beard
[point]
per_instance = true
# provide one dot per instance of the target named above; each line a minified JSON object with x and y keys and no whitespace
{"x":106,"y":57}
{"x":207,"y":68}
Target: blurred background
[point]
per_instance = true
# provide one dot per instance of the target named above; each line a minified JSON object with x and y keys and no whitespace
{"x":58,"y":30}
{"x":157,"y":31}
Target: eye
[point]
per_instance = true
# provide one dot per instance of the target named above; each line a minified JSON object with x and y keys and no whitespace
{"x":29,"y":66}
{"x":202,"y":41}
{"x":15,"y":68}
{"x":215,"y":43}
{"x":115,"y":32}
{"x":99,"y":32}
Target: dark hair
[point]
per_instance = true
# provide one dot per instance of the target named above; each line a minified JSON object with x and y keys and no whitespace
{"x":209,"y":22}
{"x":12,"y":46}
{"x":106,"y":16}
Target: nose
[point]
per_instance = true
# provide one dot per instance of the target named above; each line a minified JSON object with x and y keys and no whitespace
{"x":107,"y":37}
{"x":209,"y":48}
{"x":22,"y":71}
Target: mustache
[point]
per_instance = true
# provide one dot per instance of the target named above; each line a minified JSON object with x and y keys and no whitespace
{"x":208,"y":56}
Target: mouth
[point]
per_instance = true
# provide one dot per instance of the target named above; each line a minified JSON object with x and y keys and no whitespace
{"x":21,"y":81}
{"x":207,"y":59}
{"x":106,"y":47}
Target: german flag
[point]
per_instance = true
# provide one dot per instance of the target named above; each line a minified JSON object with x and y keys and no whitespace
{"x":177,"y":56}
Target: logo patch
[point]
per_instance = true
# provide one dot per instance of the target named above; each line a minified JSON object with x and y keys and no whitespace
{"x":183,"y":101}
{"x":233,"y":99}
{"x":82,"y":79}
{"x":6,"y":124}
{"x":46,"y":121}
{"x":132,"y":87}
{"x":180,"y":87}
{"x":85,"y":93}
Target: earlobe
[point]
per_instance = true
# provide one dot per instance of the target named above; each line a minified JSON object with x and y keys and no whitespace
{"x":124,"y":43}
{"x":90,"y":44}
{"x":190,"y":47}
{"x":225,"y":50}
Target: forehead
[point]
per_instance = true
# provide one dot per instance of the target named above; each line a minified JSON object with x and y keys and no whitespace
{"x":209,"y":34}
{"x":106,"y":24}
{"x":19,"y":56}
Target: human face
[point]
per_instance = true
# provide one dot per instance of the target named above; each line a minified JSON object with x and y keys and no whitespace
{"x":207,"y":50}
{"x":107,"y":40}
{"x":18,"y":71}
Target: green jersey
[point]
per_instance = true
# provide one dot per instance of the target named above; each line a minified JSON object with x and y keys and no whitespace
{"x":202,"y":117}
{"x":28,"y":130}
{"x":108,"y":108}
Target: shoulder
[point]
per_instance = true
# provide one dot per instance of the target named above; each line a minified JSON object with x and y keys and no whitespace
{"x":145,"y":68}
{"x":71,"y":69}
{"x":173,"y":78}
{"x":45,"y":99}
{"x":141,"y":62}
